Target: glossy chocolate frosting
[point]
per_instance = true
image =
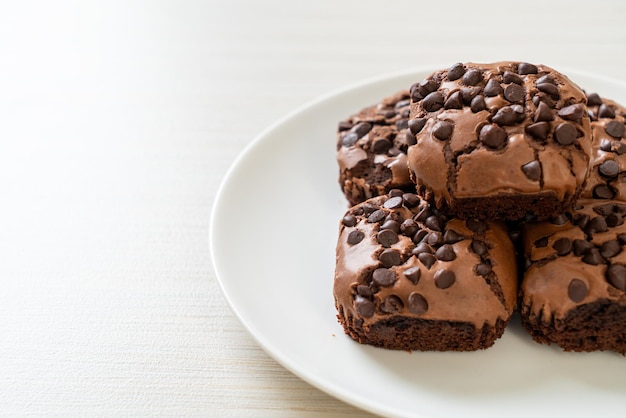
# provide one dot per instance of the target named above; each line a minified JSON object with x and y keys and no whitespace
{"x":399,"y":258}
{"x":500,"y":129}
{"x":575,"y":259}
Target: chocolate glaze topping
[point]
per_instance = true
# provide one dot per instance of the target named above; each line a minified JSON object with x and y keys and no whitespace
{"x":413,"y":262}
{"x":501,"y":129}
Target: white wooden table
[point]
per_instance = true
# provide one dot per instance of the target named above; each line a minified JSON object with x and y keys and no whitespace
{"x":118,"y":120}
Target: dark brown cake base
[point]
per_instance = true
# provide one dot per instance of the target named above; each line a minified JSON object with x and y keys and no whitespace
{"x":416,"y":334}
{"x":512,"y":207}
{"x":597,"y":326}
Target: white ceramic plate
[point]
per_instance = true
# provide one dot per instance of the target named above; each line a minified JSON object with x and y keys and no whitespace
{"x":273,"y":233}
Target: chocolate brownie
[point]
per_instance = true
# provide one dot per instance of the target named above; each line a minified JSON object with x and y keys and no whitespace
{"x":608,"y":161}
{"x":574,"y":289}
{"x":371,"y":150}
{"x":409,"y":278}
{"x":507,"y":140}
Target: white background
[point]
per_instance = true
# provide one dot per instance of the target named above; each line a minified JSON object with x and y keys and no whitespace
{"x":118,"y":120}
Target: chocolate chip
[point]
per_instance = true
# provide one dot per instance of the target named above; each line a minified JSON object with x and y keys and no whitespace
{"x":419,"y":236}
{"x":376,"y":216}
{"x":434,"y":238}
{"x":427,"y":259}
{"x":393,"y":202}
{"x":604,"y":209}
{"x":532,"y":170}
{"x":381,"y":145}
{"x":468,"y":94}
{"x":541,"y":242}
{"x":539,"y":130}
{"x":610,"y":248}
{"x":514,"y":93}
{"x":409,"y":227}
{"x":606,"y":145}
{"x":389,"y":114}
{"x":402,"y":124}
{"x":451,"y":236}
{"x":581,"y":247}
{"x":454,"y":101}
{"x":542,"y":97}
{"x":605,"y":111}
{"x":443,"y":130}
{"x":434,"y":222}
{"x":581,"y":221}
{"x":614,"y":219}
{"x":479,"y":248}
{"x":444,"y":278}
{"x":597,"y":224}
{"x":422,"y":248}
{"x":615,"y":129}
{"x":456,"y":71}
{"x":593,"y":99}
{"x":427,"y":86}
{"x":616,"y":276}
{"x":410,"y":199}
{"x":509,"y":77}
{"x":602,"y":191}
{"x":621,"y":238}
{"x":548,"y":88}
{"x":577,"y":290}
{"x":493,"y":88}
{"x":609,"y":168}
{"x":416,"y":125}
{"x":383,"y":277}
{"x":445,"y":253}
{"x":509,"y":115}
{"x":349,"y":139}
{"x":417,"y":304}
{"x":478,"y":104}
{"x":433,"y":102}
{"x":424,"y":213}
{"x":565,"y":134}
{"x":364,"y":307}
{"x":476,"y":226}
{"x":364,"y":290}
{"x":543,"y":113}
{"x":344,"y":125}
{"x":409,"y":138}
{"x":413,"y":274}
{"x":349,"y":220}
{"x":545,"y":79}
{"x":560,"y":219}
{"x":525,"y":68}
{"x":493,"y":136}
{"x":390,"y":258}
{"x":387,"y":238}
{"x":562,"y":246}
{"x":593,"y":257}
{"x":356,"y":236}
{"x":402,"y":103}
{"x":362,"y":129}
{"x":572,"y":112}
{"x":392,"y":304}
{"x":483,"y":269}
{"x":472,"y":77}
